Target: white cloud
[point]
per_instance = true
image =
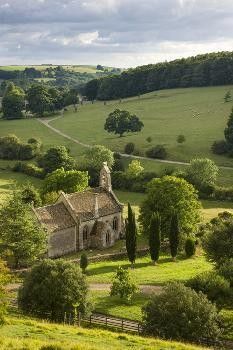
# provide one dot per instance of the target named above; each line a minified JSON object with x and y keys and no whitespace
{"x":88,"y":38}
{"x":5,"y":6}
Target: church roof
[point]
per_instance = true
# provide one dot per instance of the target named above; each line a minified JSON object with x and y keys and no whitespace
{"x":83,"y":203}
{"x":55,"y":217}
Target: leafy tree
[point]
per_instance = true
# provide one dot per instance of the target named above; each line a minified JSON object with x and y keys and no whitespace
{"x":226,"y":270}
{"x":218,"y":240}
{"x":13,"y":102}
{"x":169,"y":194}
{"x":180,"y":139}
{"x":20,"y":233}
{"x":134,"y":169}
{"x":91,"y":89}
{"x":131,"y":235}
{"x":227,"y":97}
{"x":155,"y":237}
{"x":172,"y":315}
{"x":174,"y":235}
{"x":52,"y":288}
{"x":4,"y":279}
{"x":56,"y":158}
{"x":202,"y":173}
{"x":158,"y":152}
{"x":30,"y":195}
{"x":39,"y":99}
{"x":123,"y":284}
{"x":120,"y":122}
{"x":67,"y":181}
{"x":83,"y":262}
{"x":57,"y":99}
{"x":71,"y":98}
{"x":229,"y":131}
{"x":190,"y":247}
{"x":129,"y":148}
{"x":96,"y":155}
{"x":219,"y":147}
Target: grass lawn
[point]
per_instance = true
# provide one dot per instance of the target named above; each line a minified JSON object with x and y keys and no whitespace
{"x":145,"y":273}
{"x":25,"y":334}
{"x":198,"y":113}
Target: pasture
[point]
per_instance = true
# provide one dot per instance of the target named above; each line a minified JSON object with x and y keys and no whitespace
{"x":74,"y":68}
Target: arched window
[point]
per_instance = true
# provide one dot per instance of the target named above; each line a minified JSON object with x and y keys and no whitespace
{"x":108,"y":237}
{"x":85,"y":233}
{"x":115,"y":224}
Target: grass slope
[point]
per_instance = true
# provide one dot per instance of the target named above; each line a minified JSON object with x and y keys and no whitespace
{"x":75,"y":68}
{"x":198,"y":113}
{"x":25,"y":334}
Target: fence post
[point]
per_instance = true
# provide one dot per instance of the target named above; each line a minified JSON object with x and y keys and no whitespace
{"x":106,"y":321}
{"x":122,"y":325}
{"x":138,"y":328}
{"x":90,"y":319}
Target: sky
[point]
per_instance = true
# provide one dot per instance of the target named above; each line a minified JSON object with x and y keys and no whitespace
{"x":117,"y":33}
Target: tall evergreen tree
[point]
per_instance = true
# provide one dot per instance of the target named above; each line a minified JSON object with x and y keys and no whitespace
{"x":174,"y":235}
{"x":229,"y":131}
{"x":131,"y":235}
{"x":155,"y":237}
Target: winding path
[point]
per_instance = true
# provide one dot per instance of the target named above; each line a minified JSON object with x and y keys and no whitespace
{"x":46,"y":122}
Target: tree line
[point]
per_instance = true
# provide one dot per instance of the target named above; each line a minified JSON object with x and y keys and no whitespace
{"x":202,"y":70}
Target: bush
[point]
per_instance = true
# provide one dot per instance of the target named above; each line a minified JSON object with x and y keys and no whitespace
{"x":181,"y":313}
{"x":158,"y":151}
{"x":223,"y":193}
{"x":214,"y":286}
{"x":190,"y":247}
{"x":83,"y":262}
{"x":29,"y":169}
{"x":226,"y":270}
{"x":123,"y":285}
{"x":219,"y":147}
{"x":12,"y":148}
{"x":129,"y":148}
{"x":52,"y":288}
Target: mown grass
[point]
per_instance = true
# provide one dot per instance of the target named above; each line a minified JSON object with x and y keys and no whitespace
{"x":26,"y":334}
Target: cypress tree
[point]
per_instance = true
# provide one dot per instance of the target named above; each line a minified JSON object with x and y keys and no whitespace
{"x":155,"y":237}
{"x":174,"y":235}
{"x":131,"y":235}
{"x":229,"y":131}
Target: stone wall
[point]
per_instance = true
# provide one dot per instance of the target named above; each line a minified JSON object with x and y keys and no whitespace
{"x":62,"y":242}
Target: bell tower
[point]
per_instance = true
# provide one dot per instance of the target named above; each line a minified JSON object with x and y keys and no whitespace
{"x":105,"y":177}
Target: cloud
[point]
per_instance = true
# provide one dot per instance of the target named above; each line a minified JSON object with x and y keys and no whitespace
{"x":112,"y":32}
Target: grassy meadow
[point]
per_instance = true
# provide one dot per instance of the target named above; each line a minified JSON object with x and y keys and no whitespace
{"x":74,"y":68}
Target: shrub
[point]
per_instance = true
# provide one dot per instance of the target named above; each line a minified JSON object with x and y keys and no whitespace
{"x":29,"y":169}
{"x":123,"y":285}
{"x":52,"y":288}
{"x":172,"y":315}
{"x":180,"y":139}
{"x":83,"y":262}
{"x":219,"y":147}
{"x":190,"y":247}
{"x":129,"y":148}
{"x":149,"y":139}
{"x":226,"y":270}
{"x":12,"y":148}
{"x":158,"y":151}
{"x":223,"y":193}
{"x":216,"y":288}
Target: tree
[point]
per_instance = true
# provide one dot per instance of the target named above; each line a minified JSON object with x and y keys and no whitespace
{"x":67,"y":181}
{"x":120,"y":122}
{"x":52,"y":288}
{"x":4,"y":279}
{"x":227,"y":97}
{"x":134,"y":169}
{"x":56,"y":158}
{"x":190,"y":247}
{"x":83,"y":262}
{"x":158,"y":151}
{"x":123,"y":284}
{"x":174,"y":235}
{"x":13,"y":102}
{"x":96,"y":155}
{"x":129,"y":148}
{"x":131,"y":235}
{"x":172,"y":315}
{"x":202,"y":173}
{"x":30,"y":195}
{"x":39,"y":99}
{"x":20,"y":233}
{"x":166,"y":195}
{"x":218,"y":240}
{"x":229,"y":131}
{"x":71,"y":98}
{"x":180,"y":139}
{"x":155,"y":237}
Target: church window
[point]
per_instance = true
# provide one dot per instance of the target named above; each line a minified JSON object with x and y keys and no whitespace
{"x":108,"y":238}
{"x":115,"y":224}
{"x":85,"y":233}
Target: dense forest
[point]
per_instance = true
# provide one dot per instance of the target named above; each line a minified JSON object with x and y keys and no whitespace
{"x":202,"y":70}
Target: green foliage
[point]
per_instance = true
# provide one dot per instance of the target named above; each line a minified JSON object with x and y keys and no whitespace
{"x":120,"y":122}
{"x":29,"y":169}
{"x":83,"y":262}
{"x":12,"y":148}
{"x":56,"y":158}
{"x":219,"y":147}
{"x":20,"y":233}
{"x":131,"y":235}
{"x":215,"y":287}
{"x":122,"y":180}
{"x":155,"y":236}
{"x":181,"y":313}
{"x":218,"y":240}
{"x":30,"y":195}
{"x":96,"y":155}
{"x":158,"y":152}
{"x":123,"y":284}
{"x":169,"y":194}
{"x":39,"y":99}
{"x":190,"y":247}
{"x":13,"y":102}
{"x":67,"y":181}
{"x":180,"y":139}
{"x":229,"y":131}
{"x":129,"y":148}
{"x":227,"y":97}
{"x":226,"y":270}
{"x":134,"y":169}
{"x":174,"y":235}
{"x":4,"y":279}
{"x":52,"y":288}
{"x":202,"y":172}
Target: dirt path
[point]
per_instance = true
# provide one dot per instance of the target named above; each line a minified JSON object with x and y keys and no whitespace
{"x":46,"y":122}
{"x":146,"y":289}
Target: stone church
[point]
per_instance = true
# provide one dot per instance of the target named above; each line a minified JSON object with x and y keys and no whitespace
{"x":82,"y":220}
